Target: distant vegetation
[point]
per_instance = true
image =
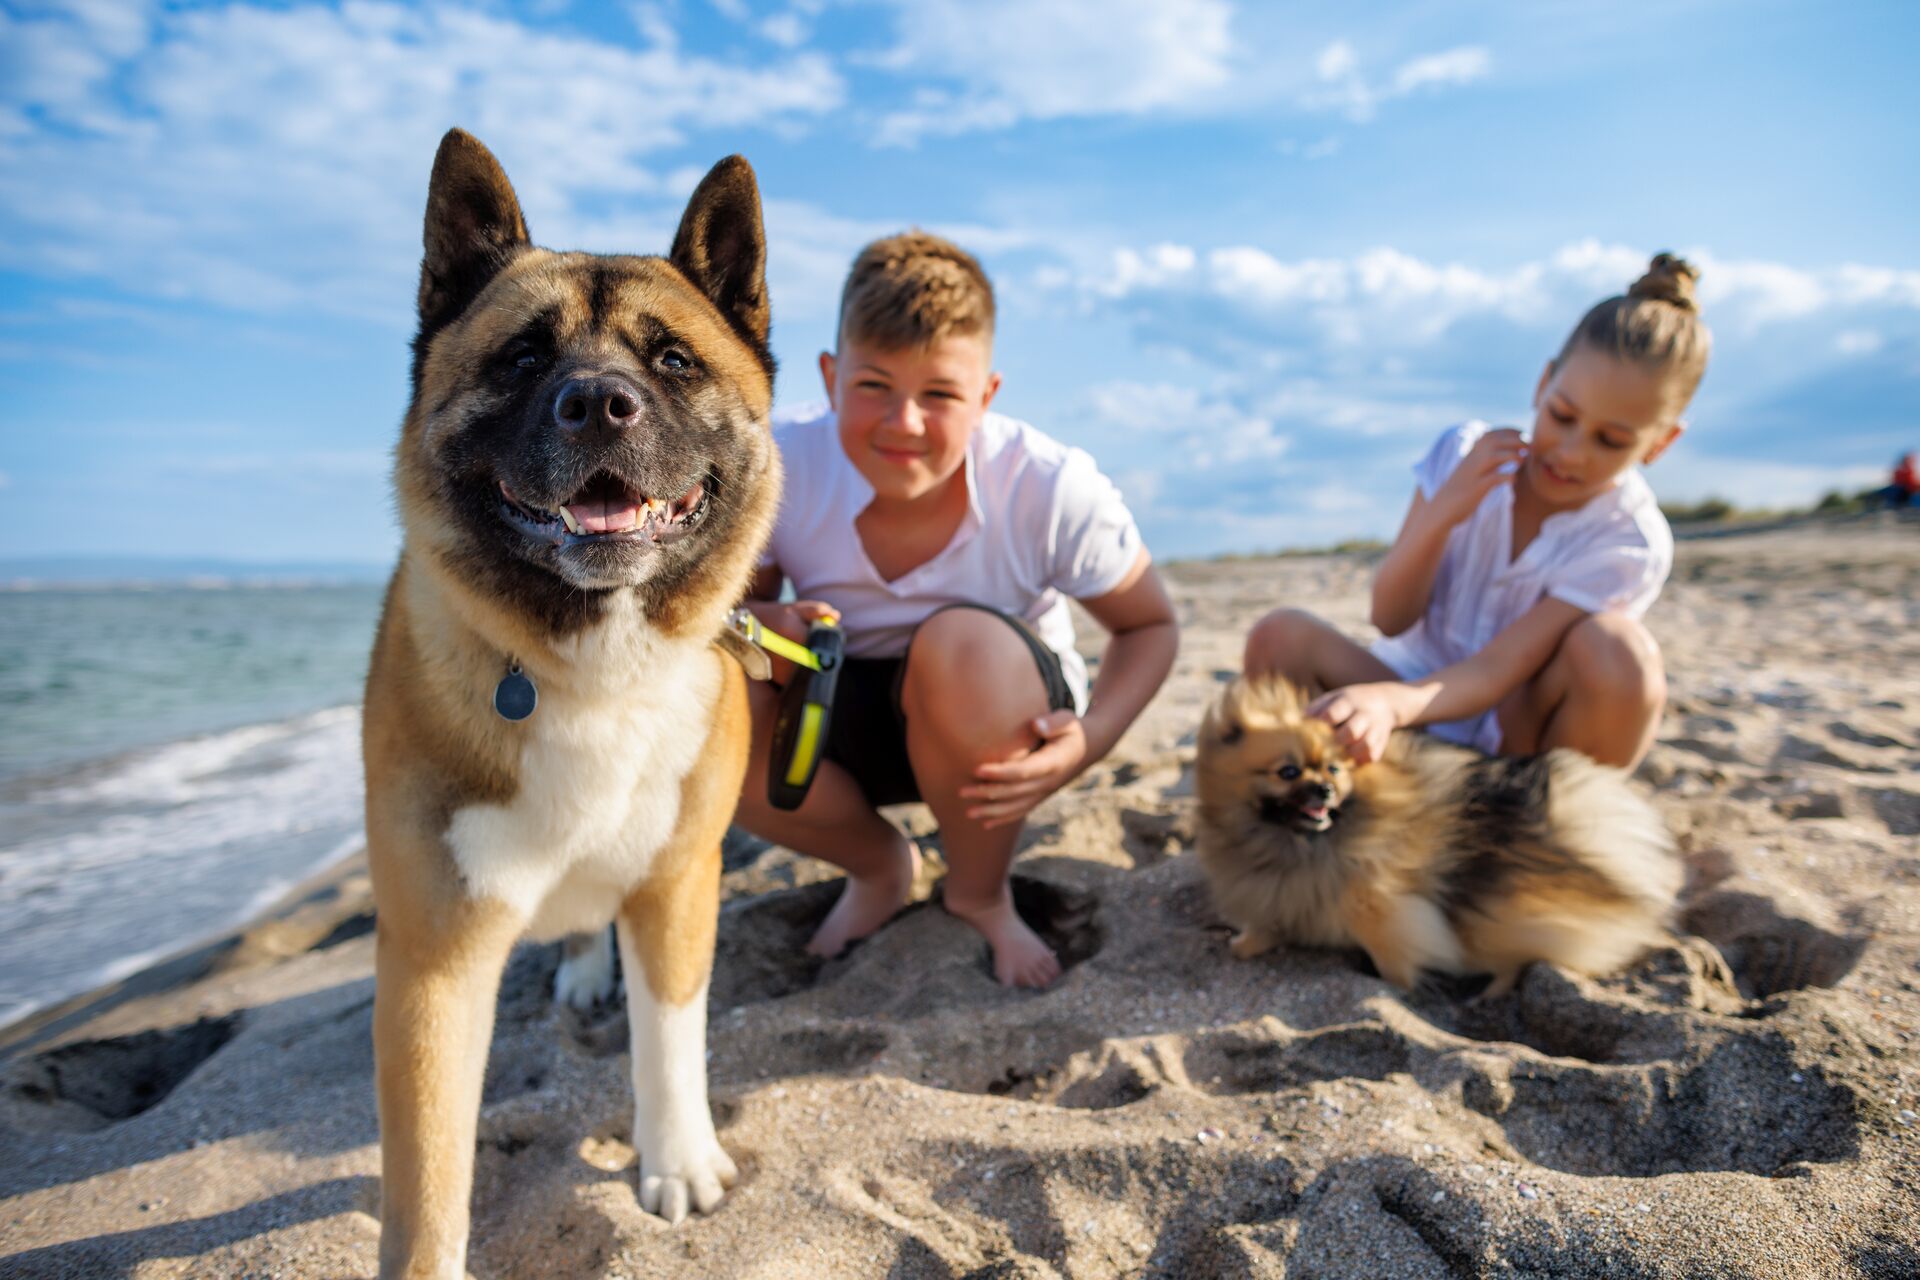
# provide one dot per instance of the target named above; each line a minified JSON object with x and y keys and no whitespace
{"x":1719,"y":510}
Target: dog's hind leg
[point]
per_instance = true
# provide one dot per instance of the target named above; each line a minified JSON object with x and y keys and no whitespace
{"x":436,"y":980}
{"x":1251,"y":940}
{"x":586,"y":975}
{"x":1403,"y":934}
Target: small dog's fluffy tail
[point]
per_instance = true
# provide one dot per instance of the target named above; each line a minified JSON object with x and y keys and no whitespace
{"x":1599,"y":821}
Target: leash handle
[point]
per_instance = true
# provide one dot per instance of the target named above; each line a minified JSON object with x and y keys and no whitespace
{"x":753,"y":632}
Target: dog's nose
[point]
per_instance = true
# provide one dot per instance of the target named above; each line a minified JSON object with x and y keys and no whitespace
{"x":601,"y":401}
{"x":1320,"y":791}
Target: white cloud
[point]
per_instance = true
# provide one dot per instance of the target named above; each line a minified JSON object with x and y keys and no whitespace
{"x":1858,"y":342}
{"x":1009,"y":60}
{"x":1203,"y":432}
{"x":788,"y":30}
{"x":1386,"y":296}
{"x":273,"y":158}
{"x":1344,"y":85}
{"x":1453,"y":67}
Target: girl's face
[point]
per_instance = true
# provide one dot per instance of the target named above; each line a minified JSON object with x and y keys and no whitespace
{"x":1595,"y":416}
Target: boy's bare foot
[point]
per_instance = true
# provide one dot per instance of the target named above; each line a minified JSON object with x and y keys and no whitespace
{"x":1020,"y":959}
{"x":865,"y":904}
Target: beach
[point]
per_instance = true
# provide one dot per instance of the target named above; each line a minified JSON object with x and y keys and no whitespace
{"x":1741,"y":1103}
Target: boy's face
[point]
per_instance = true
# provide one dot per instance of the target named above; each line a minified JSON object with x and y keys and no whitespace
{"x":906,"y":415}
{"x":1594,"y":416}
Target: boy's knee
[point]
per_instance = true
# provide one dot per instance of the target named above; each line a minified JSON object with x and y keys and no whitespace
{"x":971,"y":679}
{"x":1614,"y":655}
{"x":1279,"y":641}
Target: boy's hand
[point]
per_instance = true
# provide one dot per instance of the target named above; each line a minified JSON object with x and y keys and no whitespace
{"x":1009,"y":789}
{"x":1485,"y":467}
{"x":791,"y":619}
{"x":1363,"y":717}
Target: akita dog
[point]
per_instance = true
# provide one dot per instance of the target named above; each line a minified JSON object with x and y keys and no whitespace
{"x":585,"y":478}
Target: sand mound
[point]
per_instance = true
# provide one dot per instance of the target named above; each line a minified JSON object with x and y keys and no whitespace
{"x":1741,"y":1104}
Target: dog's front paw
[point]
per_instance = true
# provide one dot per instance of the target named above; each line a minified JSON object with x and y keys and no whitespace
{"x":586,"y":975}
{"x":1249,"y":943}
{"x":669,"y":1186}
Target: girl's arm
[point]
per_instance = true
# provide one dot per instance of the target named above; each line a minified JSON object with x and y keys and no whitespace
{"x":1140,"y":650}
{"x":1364,"y":714}
{"x":1403,"y":585}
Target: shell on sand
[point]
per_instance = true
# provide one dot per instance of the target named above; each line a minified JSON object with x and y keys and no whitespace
{"x":1742,"y":1104}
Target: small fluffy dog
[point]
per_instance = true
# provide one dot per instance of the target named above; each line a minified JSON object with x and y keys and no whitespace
{"x":1432,"y":857}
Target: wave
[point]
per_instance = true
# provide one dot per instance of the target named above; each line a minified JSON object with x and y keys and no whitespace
{"x":114,"y":865}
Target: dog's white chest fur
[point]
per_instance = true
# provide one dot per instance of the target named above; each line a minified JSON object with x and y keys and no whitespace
{"x":599,"y":777}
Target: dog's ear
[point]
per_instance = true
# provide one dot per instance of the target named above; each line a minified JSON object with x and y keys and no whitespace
{"x":722,"y":248}
{"x":474,"y":228}
{"x":1222,"y":723}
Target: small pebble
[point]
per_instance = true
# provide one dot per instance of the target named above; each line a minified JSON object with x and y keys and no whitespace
{"x":1527,"y":1192}
{"x":1208,"y":1134}
{"x":1906,"y":1117}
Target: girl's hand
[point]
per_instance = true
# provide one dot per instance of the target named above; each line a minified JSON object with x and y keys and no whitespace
{"x":1363,"y":716}
{"x":1009,"y":789}
{"x":1478,"y":473}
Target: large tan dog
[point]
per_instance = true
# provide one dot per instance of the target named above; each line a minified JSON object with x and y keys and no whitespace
{"x":585,"y":479}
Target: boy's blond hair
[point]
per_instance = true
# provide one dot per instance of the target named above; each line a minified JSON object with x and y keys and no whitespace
{"x":914,"y":289}
{"x":1655,"y":323}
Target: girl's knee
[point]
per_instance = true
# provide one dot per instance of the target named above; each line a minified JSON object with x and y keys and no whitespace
{"x":1280,"y":641}
{"x":1615,"y":655}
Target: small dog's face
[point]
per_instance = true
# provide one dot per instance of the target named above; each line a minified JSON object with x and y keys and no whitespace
{"x":1259,"y":744}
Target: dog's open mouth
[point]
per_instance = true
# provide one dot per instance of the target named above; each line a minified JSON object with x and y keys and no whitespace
{"x":608,"y":509}
{"x":1303,"y":815}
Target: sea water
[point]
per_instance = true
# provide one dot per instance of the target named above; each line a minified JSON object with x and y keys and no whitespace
{"x":171,"y":760}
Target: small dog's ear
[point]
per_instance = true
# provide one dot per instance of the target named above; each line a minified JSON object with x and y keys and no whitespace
{"x":1222,"y":721}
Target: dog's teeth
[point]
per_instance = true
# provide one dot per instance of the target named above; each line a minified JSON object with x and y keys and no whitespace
{"x":573,"y":526}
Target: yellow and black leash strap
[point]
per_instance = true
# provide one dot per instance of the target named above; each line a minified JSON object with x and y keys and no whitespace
{"x":806,"y":704}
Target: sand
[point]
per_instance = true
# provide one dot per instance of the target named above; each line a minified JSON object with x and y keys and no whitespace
{"x":1741,"y":1104}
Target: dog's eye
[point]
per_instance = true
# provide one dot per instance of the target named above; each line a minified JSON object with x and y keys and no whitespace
{"x":674,"y":360}
{"x":1333,"y":769}
{"x":1288,"y":772}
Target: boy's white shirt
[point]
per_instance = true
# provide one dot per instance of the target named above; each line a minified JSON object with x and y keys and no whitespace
{"x":1042,"y":524}
{"x":1612,"y":554}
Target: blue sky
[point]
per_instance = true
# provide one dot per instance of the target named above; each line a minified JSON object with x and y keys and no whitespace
{"x":1252,"y":256}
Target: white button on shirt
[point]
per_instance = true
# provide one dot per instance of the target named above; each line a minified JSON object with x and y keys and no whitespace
{"x":1042,"y":523}
{"x":1612,"y":554}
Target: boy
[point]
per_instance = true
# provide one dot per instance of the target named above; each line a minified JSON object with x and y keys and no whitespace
{"x":945,"y":538}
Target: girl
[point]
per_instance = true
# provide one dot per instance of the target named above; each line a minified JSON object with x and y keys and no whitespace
{"x":1510,"y":603}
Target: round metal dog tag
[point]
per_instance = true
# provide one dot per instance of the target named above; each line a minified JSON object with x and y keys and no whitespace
{"x":515,"y":695}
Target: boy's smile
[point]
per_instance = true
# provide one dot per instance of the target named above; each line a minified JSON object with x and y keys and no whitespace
{"x":906,"y":416}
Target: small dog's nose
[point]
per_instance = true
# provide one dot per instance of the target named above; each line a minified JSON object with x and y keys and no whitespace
{"x":1320,"y":791}
{"x":602,"y":401}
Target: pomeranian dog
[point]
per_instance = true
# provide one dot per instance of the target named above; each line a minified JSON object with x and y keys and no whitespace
{"x":1432,"y":857}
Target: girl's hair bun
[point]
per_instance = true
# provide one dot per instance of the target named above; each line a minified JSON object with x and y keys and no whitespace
{"x":1670,"y":278}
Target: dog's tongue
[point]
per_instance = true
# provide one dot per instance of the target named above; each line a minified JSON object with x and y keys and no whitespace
{"x":604,"y":517}
{"x":1314,"y":810}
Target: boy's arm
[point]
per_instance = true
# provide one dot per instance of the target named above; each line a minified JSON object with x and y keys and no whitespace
{"x":1403,"y":585}
{"x":1144,"y":638}
{"x":765,"y":583}
{"x":1364,"y":714}
{"x":1142,"y":641}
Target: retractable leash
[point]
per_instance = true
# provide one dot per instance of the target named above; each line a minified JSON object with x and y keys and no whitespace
{"x":806,"y":704}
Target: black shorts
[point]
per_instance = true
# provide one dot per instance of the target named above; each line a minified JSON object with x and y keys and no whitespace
{"x":868,"y":736}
